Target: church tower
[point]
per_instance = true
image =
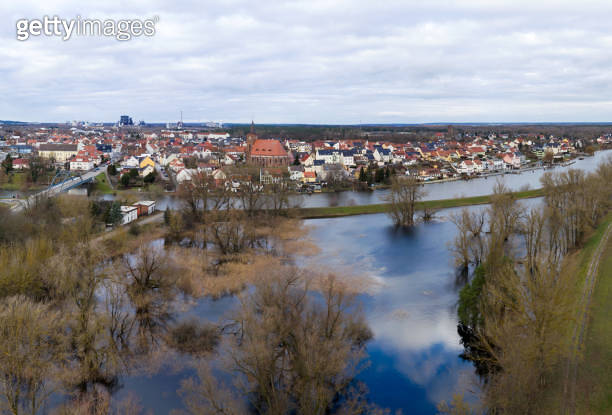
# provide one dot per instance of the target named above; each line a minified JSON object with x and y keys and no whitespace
{"x":250,"y":139}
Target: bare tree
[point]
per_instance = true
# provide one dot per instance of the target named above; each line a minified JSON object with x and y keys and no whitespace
{"x":149,"y":284}
{"x":31,"y":352}
{"x":277,"y":197}
{"x":470,"y":243}
{"x":291,"y":354}
{"x":251,"y":197}
{"x":403,"y":196}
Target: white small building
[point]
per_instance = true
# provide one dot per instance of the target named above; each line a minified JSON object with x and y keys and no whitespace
{"x":130,"y":214}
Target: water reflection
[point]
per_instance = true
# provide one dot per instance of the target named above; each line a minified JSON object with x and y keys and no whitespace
{"x":411,"y":311}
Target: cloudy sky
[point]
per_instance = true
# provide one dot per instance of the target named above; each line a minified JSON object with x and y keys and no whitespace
{"x":315,"y":61}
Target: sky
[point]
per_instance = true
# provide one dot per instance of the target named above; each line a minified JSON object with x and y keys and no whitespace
{"x":315,"y":61}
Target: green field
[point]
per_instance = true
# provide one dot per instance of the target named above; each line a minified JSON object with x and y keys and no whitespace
{"x":102,"y":184}
{"x":18,"y":182}
{"x":594,"y":384}
{"x":337,"y":211}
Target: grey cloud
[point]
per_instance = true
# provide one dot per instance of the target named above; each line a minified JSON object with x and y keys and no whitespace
{"x":316,"y":61}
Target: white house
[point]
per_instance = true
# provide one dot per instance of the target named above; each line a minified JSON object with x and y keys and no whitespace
{"x":227,"y":160}
{"x":130,"y":214}
{"x":496,"y":164}
{"x":83,"y":163}
{"x":185,"y":175}
{"x":219,"y":176}
{"x":382,"y":154}
{"x":512,"y":161}
{"x":465,"y":167}
{"x":296,"y":173}
{"x":328,"y":156}
{"x":307,"y":160}
{"x":130,"y":163}
{"x":347,"y":158}
{"x":165,"y":159}
{"x":478,"y":166}
{"x":20,"y":164}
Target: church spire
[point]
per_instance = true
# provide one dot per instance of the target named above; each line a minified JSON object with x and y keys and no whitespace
{"x":252,"y":127}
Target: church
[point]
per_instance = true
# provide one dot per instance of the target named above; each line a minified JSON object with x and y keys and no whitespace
{"x":266,"y":153}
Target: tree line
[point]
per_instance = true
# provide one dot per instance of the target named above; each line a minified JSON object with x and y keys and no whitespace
{"x":516,"y":311}
{"x":79,"y":309}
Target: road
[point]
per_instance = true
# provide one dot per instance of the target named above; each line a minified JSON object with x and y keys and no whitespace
{"x":60,"y":187}
{"x":580,"y":329}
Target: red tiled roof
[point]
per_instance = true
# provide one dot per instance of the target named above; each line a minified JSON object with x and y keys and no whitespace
{"x":268,"y":148}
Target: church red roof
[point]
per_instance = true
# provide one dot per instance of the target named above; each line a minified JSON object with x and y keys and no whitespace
{"x":268,"y":148}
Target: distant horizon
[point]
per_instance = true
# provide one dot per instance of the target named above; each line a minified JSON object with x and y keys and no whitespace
{"x":280,"y":124}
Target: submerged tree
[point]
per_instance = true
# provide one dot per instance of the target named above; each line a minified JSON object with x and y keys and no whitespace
{"x":149,"y":284}
{"x":403,"y":196}
{"x":31,"y":352}
{"x":290,"y":352}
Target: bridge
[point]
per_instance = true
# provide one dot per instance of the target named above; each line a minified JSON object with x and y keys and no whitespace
{"x":62,"y":182}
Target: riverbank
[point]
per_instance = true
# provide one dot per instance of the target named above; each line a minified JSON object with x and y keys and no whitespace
{"x":339,"y":211}
{"x":19,"y":182}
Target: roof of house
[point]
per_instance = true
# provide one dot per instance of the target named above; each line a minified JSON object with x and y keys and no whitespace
{"x":58,"y":147}
{"x":268,"y":148}
{"x":145,"y":203}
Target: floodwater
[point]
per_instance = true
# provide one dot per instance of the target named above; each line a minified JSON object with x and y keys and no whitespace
{"x":410,"y":302}
{"x":410,"y":305}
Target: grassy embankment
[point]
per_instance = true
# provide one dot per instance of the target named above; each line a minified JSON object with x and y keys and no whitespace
{"x":594,"y":380}
{"x":594,"y":375}
{"x":336,"y":211}
{"x":102,"y":185}
{"x":18,"y":182}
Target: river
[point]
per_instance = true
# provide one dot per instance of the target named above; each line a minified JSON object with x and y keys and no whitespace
{"x":434,"y":191}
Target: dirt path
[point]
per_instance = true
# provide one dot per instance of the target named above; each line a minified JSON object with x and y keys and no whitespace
{"x":580,"y":329}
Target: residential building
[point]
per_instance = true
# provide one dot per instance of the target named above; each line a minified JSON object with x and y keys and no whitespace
{"x":130,"y":214}
{"x":81,"y":163}
{"x":61,"y":153}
